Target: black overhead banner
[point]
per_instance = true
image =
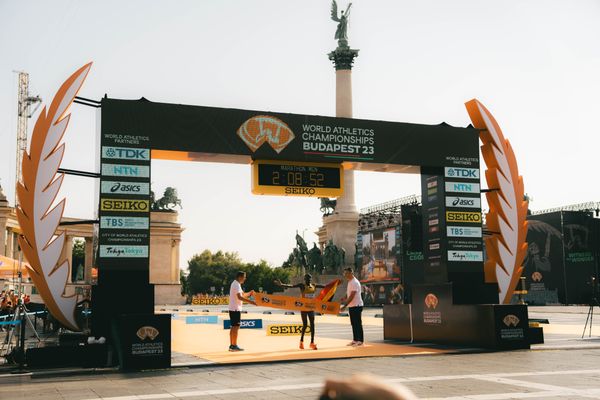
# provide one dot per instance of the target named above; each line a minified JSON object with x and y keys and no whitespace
{"x":279,"y":136}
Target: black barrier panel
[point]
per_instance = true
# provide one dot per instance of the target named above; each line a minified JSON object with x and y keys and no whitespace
{"x":580,"y":263}
{"x":413,"y":272}
{"x":434,"y":318}
{"x":544,"y":263}
{"x":144,"y":341}
{"x":434,"y":225}
{"x":291,"y":137}
{"x":396,"y":322}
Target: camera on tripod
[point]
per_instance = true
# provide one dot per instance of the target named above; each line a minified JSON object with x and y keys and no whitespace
{"x":595,"y":294}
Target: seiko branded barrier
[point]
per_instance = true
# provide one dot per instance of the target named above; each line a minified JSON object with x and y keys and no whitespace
{"x":286,"y":330}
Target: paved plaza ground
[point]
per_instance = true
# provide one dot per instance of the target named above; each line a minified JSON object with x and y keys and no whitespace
{"x":565,"y":367}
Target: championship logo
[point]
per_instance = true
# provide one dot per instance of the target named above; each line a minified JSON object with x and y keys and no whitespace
{"x":536,"y":276}
{"x":511,"y":320}
{"x":147,"y":332}
{"x":263,"y":128}
{"x":431,"y":301}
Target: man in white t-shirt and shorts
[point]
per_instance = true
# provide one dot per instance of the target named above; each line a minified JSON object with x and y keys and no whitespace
{"x":236,"y":298}
{"x":354,"y":302}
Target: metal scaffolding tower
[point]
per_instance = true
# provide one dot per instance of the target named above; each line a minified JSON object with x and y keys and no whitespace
{"x":24,"y":113}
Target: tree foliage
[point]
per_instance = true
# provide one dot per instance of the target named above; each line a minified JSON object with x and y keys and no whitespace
{"x":208,"y":270}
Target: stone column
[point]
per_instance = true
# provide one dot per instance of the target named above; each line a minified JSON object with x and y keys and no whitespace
{"x":67,"y":253}
{"x":342,"y":225}
{"x":11,"y":251}
{"x":89,"y":255}
{"x":4,"y":212}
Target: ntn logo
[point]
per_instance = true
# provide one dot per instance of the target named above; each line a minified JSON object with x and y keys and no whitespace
{"x":461,"y":187}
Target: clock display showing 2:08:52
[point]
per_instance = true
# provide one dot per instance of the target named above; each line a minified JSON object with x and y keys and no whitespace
{"x":297,"y":179}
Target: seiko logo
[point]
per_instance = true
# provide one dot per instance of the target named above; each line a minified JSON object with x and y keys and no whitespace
{"x":286,"y":330}
{"x":460,"y":216}
{"x":463,"y":202}
{"x":125,"y":153}
{"x":125,"y":205}
{"x":300,"y":190}
{"x":460,"y":187}
{"x":468,"y":173}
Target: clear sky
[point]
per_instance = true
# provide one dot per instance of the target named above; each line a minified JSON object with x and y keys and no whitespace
{"x":534,"y":63}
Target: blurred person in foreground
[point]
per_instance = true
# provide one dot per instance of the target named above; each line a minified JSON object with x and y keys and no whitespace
{"x":364,"y":387}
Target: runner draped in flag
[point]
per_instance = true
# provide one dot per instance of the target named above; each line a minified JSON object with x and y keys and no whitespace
{"x":308,"y":290}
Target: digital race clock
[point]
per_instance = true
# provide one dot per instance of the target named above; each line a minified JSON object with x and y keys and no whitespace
{"x":287,"y":178}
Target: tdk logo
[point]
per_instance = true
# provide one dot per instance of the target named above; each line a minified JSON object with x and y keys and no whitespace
{"x":125,"y":153}
{"x":460,"y":187}
{"x":467,"y":173}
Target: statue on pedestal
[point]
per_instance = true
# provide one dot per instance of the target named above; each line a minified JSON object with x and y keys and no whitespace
{"x":167,"y":202}
{"x":341,"y":33}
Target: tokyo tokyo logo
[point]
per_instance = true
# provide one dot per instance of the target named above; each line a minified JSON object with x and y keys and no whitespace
{"x":265,"y":128}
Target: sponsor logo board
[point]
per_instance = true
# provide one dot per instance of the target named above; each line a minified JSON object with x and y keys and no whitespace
{"x":134,"y":171}
{"x":462,"y":187}
{"x":142,"y":188}
{"x":110,"y":251}
{"x":286,"y":330}
{"x":125,"y":153}
{"x":467,"y":173}
{"x":201,"y":319}
{"x":463,"y":216}
{"x":245,"y":324}
{"x":128,"y":205}
{"x":463,"y":231}
{"x":463,"y":202}
{"x":465,"y":255}
{"x":113,"y":222}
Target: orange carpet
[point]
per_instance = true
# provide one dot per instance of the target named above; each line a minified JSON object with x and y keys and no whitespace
{"x":210,"y":342}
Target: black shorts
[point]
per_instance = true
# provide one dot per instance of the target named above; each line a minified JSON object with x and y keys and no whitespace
{"x":235,"y":317}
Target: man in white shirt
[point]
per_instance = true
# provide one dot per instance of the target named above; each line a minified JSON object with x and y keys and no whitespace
{"x":236,"y":298}
{"x":354,"y":302}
